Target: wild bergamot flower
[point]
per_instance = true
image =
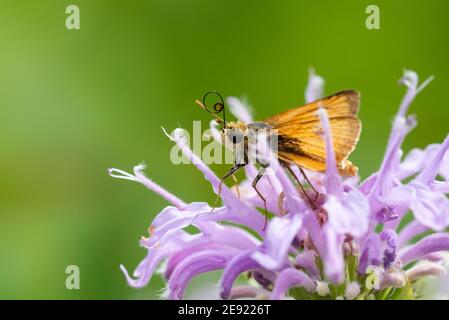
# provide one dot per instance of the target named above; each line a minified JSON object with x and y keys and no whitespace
{"x":354,"y":246}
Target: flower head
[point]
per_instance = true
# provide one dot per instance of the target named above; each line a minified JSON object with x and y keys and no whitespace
{"x":350,"y":247}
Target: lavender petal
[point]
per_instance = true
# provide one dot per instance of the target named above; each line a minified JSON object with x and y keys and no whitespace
{"x":280,"y":235}
{"x":314,"y":89}
{"x":237,"y":265}
{"x":289,"y":278}
{"x":411,"y":230}
{"x":307,"y":261}
{"x":430,"y":208}
{"x":432,"y":243}
{"x":333,"y":180}
{"x":350,"y":214}
{"x":371,"y":253}
{"x":333,"y":260}
{"x":201,"y":261}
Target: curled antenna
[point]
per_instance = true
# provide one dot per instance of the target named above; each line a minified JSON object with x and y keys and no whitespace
{"x":217,"y":108}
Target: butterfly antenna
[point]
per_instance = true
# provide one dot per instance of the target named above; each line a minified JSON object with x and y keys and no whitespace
{"x":217,"y":107}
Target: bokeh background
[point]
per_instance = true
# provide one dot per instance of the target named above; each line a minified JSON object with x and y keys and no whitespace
{"x":73,"y":103}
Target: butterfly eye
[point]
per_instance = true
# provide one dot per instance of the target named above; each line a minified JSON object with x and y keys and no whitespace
{"x":235,"y":137}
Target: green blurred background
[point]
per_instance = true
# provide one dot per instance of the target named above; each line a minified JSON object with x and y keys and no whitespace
{"x":73,"y":103}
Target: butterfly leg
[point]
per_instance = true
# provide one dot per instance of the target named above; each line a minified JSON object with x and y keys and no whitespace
{"x":311,"y":203}
{"x":310,"y":183}
{"x":254,"y":185}
{"x":230,"y":173}
{"x":236,"y":185}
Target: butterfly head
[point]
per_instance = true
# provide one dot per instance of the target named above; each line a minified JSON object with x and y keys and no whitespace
{"x":234,"y":133}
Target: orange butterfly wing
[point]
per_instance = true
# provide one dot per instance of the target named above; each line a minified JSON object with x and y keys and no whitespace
{"x":299,"y":130}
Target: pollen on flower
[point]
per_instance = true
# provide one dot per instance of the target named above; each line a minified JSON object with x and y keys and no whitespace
{"x":151,"y":230}
{"x":335,"y":251}
{"x":322,"y":288}
{"x":395,"y":279}
{"x":352,"y":290}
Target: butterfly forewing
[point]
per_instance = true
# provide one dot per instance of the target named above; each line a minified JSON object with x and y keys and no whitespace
{"x":300,"y":139}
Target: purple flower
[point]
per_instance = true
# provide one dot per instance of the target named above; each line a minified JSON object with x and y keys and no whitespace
{"x":335,"y":251}
{"x":279,"y":238}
